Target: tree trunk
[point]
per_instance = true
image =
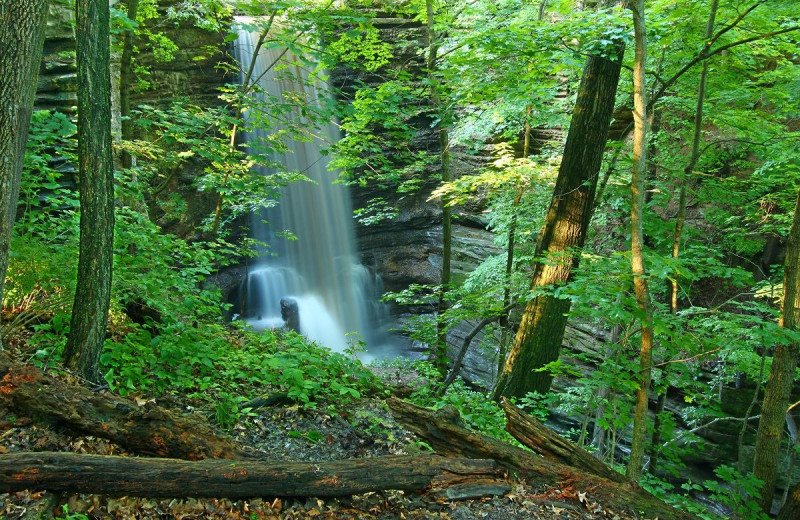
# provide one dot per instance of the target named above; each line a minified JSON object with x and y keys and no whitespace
{"x":444,"y":161}
{"x":541,"y":330}
{"x":781,"y":375}
{"x":640,"y":288}
{"x":157,"y":478}
{"x":125,"y":80}
{"x":148,"y":429}
{"x":93,"y":293}
{"x":443,"y":430}
{"x":22,"y":25}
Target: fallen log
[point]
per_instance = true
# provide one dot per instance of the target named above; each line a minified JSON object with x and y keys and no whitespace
{"x":148,"y":429}
{"x":159,"y":478}
{"x":552,"y":446}
{"x":445,"y":432}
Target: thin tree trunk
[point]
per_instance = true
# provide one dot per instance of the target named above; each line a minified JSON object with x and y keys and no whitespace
{"x":607,"y":393}
{"x":247,"y":85}
{"x":638,"y":441}
{"x":22,"y":25}
{"x":125,"y":80}
{"x":747,"y":415}
{"x":538,"y":340}
{"x":680,"y":218}
{"x":512,"y":237}
{"x":781,"y":375}
{"x":444,"y":160}
{"x":93,"y":294}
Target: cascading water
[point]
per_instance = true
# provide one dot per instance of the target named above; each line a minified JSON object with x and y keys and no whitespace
{"x":319,"y":270}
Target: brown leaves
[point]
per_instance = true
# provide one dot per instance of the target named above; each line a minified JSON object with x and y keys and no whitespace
{"x":13,"y":379}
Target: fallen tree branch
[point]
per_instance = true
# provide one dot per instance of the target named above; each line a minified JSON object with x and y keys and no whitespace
{"x":467,"y":340}
{"x":148,"y":429}
{"x":444,"y":432}
{"x":158,"y":478}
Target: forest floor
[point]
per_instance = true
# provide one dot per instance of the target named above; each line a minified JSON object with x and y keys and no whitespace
{"x":362,"y":429}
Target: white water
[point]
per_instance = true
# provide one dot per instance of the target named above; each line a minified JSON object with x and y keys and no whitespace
{"x":335,"y":294}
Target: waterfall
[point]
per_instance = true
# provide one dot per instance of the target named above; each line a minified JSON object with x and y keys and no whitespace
{"x":319,"y":270}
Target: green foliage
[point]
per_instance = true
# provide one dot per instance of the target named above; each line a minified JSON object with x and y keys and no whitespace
{"x":213,"y":361}
{"x":732,"y":491}
{"x":71,"y":516}
{"x":478,"y":412}
{"x":43,"y":253}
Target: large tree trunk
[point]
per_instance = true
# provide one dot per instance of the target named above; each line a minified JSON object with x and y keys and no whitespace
{"x":541,"y":330}
{"x":443,"y":430}
{"x":148,"y":429}
{"x":781,"y":375}
{"x":22,"y":24}
{"x":155,"y":478}
{"x":640,"y":287}
{"x":92,"y":297}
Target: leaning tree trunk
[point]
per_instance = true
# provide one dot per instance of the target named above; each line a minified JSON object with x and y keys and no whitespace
{"x":781,"y":375}
{"x":22,"y":24}
{"x":92,"y":297}
{"x":541,"y":330}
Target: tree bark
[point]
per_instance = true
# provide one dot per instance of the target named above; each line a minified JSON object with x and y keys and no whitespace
{"x":781,"y":375}
{"x":148,"y":429}
{"x":126,"y":80}
{"x":444,"y":432}
{"x":541,"y":331}
{"x":92,"y":297}
{"x":22,"y":24}
{"x":640,"y":287}
{"x":157,"y":478}
{"x":552,"y":446}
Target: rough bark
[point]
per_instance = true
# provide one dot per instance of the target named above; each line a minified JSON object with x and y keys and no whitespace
{"x":444,"y":432}
{"x":22,"y":24}
{"x":781,"y":375}
{"x":541,"y":331}
{"x":640,"y":286}
{"x":147,"y":430}
{"x":92,"y":297}
{"x":126,"y":476}
{"x":552,"y":446}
